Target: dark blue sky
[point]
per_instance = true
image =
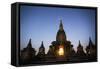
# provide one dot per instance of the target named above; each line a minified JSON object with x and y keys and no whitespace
{"x":42,"y":23}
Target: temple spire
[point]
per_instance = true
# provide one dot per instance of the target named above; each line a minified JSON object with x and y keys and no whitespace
{"x":42,"y":45}
{"x":61,"y":35}
{"x":90,"y":42}
{"x":30,"y":40}
{"x":61,"y":25}
{"x":29,"y":44}
{"x":41,"y":52}
{"x":79,"y":43}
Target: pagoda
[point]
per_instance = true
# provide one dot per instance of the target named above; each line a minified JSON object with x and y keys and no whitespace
{"x":41,"y":52}
{"x":28,"y":53}
{"x":80,"y":52}
{"x":91,"y":50}
{"x":60,"y":49}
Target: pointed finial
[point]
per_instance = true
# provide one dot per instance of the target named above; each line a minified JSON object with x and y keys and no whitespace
{"x":89,"y":37}
{"x":90,"y":41}
{"x":61,"y":25}
{"x":42,"y":42}
{"x":29,"y":44}
{"x":30,"y":40}
{"x":79,"y":43}
{"x":42,"y":45}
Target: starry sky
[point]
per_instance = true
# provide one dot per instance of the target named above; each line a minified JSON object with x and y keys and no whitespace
{"x":42,"y":23}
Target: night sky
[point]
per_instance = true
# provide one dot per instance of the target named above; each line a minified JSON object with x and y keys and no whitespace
{"x":42,"y":23}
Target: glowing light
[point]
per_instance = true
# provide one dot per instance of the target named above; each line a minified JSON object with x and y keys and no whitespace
{"x":61,"y":51}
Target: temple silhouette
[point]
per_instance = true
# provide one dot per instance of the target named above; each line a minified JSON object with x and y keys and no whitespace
{"x":60,"y":50}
